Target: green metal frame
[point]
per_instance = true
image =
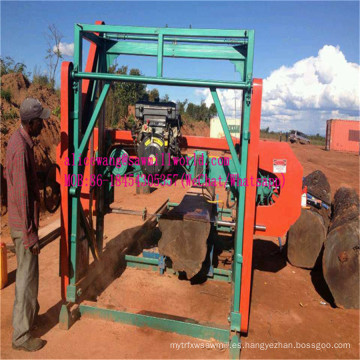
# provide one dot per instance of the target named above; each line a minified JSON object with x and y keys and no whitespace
{"x":153,"y":264}
{"x":236,"y":46}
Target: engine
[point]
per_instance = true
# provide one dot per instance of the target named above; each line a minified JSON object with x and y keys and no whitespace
{"x":156,"y":134}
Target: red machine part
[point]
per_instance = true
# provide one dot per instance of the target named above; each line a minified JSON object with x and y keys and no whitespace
{"x":250,"y":198}
{"x":62,"y":154}
{"x":278,"y":217}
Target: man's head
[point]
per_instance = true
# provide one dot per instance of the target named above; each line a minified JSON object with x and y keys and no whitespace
{"x":32,"y":115}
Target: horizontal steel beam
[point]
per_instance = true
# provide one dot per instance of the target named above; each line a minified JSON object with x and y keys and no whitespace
{"x":153,"y":264}
{"x":176,"y":39}
{"x":177,"y":50}
{"x":216,"y":33}
{"x":162,"y":81}
{"x":164,"y":322}
{"x":141,"y":260}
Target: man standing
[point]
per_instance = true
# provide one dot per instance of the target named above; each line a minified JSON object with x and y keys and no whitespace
{"x":23,"y":217}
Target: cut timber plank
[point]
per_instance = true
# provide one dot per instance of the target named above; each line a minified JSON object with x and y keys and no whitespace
{"x":49,"y":233}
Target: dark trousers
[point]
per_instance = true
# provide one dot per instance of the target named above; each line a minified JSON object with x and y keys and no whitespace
{"x":26,"y":305}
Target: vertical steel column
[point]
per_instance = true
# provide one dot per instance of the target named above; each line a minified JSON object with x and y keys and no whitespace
{"x":225,"y":128}
{"x":71,"y":291}
{"x":160,"y":55}
{"x":235,"y":316}
{"x":250,"y":204}
{"x":100,"y":204}
{"x":241,"y":168}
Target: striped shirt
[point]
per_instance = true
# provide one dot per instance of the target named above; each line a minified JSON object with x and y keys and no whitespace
{"x":23,"y":188}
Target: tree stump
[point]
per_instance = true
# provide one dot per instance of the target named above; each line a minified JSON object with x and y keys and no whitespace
{"x":305,"y":239}
{"x":341,"y":254}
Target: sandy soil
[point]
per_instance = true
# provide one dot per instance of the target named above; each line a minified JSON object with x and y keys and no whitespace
{"x":341,"y":169}
{"x":290,"y":306}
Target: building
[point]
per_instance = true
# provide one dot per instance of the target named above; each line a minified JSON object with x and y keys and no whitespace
{"x":343,"y":135}
{"x":216,"y":130}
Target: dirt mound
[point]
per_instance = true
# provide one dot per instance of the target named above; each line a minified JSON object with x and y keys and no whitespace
{"x":18,"y":88}
{"x":197,"y":128}
{"x":15,"y":88}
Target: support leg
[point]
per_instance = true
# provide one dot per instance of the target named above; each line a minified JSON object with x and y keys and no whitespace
{"x":235,"y":346}
{"x":68,"y":316}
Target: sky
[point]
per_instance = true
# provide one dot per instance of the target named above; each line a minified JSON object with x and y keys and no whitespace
{"x":306,"y":52}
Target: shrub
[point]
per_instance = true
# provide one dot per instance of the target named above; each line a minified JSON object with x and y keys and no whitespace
{"x":4,"y":130}
{"x":41,"y":80}
{"x":8,"y":66}
{"x":131,"y":120}
{"x":6,"y":94}
{"x":56,"y":111}
{"x":12,"y":114}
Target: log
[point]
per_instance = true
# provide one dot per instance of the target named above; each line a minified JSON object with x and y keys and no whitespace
{"x":341,"y":253}
{"x":318,"y":186}
{"x":345,"y":207}
{"x":305,"y":239}
{"x":184,"y":233}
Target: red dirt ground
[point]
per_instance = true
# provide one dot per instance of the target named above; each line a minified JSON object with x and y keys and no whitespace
{"x":286,"y":307}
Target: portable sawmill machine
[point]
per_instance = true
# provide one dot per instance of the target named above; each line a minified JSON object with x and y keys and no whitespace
{"x":256,"y":209}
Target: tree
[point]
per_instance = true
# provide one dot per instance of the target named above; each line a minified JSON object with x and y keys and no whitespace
{"x":154,"y":95}
{"x":53,"y":51}
{"x":123,"y":94}
{"x":9,"y":66}
{"x":195,"y":112}
{"x":40,"y":77}
{"x":181,"y":106}
{"x":212,"y":110}
{"x":165,"y":98}
{"x":191,"y":110}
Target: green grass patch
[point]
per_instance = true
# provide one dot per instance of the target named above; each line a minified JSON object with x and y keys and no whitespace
{"x":6,"y":94}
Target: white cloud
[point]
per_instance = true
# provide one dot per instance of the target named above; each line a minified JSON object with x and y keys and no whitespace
{"x":230,"y":100}
{"x":306,"y":94}
{"x":325,"y":81}
{"x":65,"y":49}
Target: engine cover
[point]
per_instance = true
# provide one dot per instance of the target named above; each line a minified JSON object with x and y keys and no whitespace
{"x":151,"y":152}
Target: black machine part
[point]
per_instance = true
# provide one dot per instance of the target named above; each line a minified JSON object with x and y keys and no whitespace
{"x":152,"y":154}
{"x":156,"y":135}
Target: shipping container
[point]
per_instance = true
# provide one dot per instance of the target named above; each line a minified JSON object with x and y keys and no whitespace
{"x":343,"y":135}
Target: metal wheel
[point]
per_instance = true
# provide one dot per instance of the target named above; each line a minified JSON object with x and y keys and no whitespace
{"x":52,"y":189}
